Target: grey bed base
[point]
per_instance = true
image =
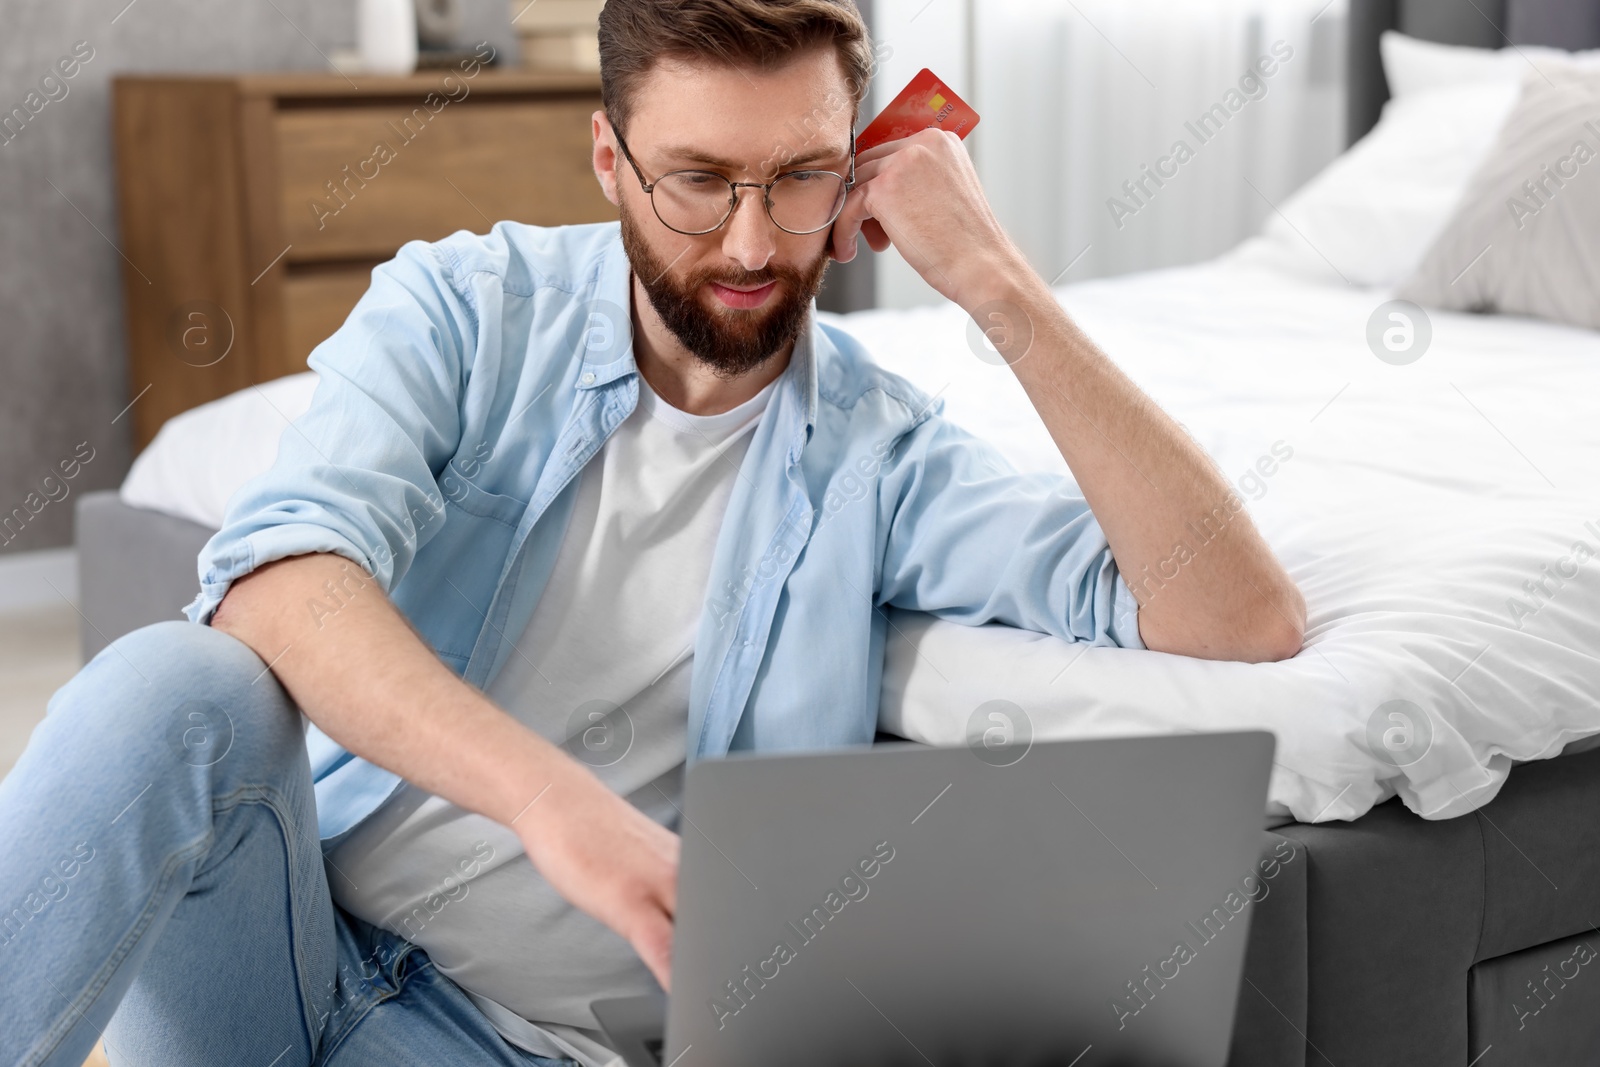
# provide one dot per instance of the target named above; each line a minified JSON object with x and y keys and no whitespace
{"x":1387,"y":940}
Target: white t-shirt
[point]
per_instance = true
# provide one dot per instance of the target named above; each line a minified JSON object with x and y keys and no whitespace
{"x":614,"y":629}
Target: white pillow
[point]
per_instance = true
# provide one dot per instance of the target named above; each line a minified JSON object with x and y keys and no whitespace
{"x":1372,"y":213}
{"x":1525,"y":239}
{"x":1369,"y":216}
{"x":202,"y":456}
{"x":1416,"y":66}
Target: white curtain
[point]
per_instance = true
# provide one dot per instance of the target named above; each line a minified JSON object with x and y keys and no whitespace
{"x":1078,"y":97}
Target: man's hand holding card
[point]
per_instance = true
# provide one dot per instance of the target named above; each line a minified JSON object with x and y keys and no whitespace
{"x":916,"y":188}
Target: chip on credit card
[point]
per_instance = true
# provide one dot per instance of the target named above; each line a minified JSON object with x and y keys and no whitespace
{"x":926,"y":102}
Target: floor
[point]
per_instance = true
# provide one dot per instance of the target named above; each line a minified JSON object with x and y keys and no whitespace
{"x":38,"y":654}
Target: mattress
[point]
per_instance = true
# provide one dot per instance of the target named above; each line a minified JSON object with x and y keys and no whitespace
{"x":1439,"y":515}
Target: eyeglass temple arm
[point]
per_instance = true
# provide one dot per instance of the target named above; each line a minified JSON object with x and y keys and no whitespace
{"x":648,"y":187}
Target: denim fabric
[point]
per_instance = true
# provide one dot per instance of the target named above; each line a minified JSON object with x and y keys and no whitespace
{"x":479,"y":374}
{"x":162,"y":882}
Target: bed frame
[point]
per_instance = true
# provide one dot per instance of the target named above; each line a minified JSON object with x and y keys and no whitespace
{"x":1387,"y":940}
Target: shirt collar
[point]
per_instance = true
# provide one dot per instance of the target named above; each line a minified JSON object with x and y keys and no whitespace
{"x":601,"y":327}
{"x":800,"y":382}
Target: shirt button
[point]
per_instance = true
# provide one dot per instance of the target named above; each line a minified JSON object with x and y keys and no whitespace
{"x":588,"y":378}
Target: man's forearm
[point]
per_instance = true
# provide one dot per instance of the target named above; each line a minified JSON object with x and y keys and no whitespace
{"x":368,"y":681}
{"x":1158,"y":497}
{"x":1207,"y":582}
{"x":364,"y":676}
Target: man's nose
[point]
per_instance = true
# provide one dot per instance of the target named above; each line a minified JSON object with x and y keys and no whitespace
{"x":749,"y":237}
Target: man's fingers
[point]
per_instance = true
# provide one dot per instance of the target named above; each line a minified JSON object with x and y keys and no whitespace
{"x":669,"y":891}
{"x":856,"y":211}
{"x":849,"y":223}
{"x":653,"y":935}
{"x":843,"y":239}
{"x":876,"y":237}
{"x":877,"y":152}
{"x":653,"y":942}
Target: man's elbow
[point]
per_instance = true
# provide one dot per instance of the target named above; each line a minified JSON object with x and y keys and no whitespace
{"x":1269,"y":629}
{"x":1273,"y":645}
{"x":1277,"y":630}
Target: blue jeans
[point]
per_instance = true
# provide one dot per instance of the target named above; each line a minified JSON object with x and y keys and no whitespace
{"x":162,"y":884}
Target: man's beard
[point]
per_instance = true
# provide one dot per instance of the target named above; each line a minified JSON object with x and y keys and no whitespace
{"x":733,"y":340}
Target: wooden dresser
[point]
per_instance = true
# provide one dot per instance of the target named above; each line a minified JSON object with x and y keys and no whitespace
{"x":254,"y":207}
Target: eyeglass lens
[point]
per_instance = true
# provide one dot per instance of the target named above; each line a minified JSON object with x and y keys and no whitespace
{"x":699,"y":201}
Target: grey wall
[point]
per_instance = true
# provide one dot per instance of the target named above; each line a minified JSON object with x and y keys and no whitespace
{"x":62,"y":379}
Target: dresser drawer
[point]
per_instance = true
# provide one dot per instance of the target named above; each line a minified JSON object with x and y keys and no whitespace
{"x":315,"y":303}
{"x":359,"y":181}
{"x":226,"y":191}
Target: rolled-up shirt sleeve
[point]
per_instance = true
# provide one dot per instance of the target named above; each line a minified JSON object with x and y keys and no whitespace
{"x":969,"y":538}
{"x":356,"y":474}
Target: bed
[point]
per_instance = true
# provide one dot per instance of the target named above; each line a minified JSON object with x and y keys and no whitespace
{"x":1437,"y":783}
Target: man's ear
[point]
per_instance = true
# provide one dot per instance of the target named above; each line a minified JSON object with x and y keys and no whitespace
{"x":605,"y":155}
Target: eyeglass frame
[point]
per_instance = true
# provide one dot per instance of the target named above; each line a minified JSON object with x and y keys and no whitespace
{"x":733,"y":191}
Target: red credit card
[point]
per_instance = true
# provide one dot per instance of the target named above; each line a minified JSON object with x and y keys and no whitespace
{"x":926,"y":102}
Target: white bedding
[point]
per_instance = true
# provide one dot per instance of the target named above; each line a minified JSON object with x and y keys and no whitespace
{"x":1417,"y":501}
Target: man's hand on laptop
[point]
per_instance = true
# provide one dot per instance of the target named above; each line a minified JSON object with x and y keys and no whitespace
{"x":608,"y":859}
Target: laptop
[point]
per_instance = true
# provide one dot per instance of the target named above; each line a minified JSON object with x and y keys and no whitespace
{"x":1072,"y":903}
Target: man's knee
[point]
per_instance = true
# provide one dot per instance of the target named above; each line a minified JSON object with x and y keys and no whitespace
{"x":172,"y":656}
{"x":182,"y":645}
{"x":194,"y":687}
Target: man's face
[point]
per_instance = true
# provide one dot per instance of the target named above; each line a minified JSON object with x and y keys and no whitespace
{"x":739,"y":294}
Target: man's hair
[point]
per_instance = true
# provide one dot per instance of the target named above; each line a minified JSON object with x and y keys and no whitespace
{"x":636,"y":34}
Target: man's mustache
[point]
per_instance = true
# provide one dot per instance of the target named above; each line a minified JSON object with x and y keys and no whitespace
{"x":744,"y":279}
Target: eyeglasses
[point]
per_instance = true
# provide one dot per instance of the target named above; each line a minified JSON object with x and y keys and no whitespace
{"x":695,"y":202}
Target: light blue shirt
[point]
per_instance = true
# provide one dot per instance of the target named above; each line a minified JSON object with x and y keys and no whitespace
{"x":478,"y":375}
